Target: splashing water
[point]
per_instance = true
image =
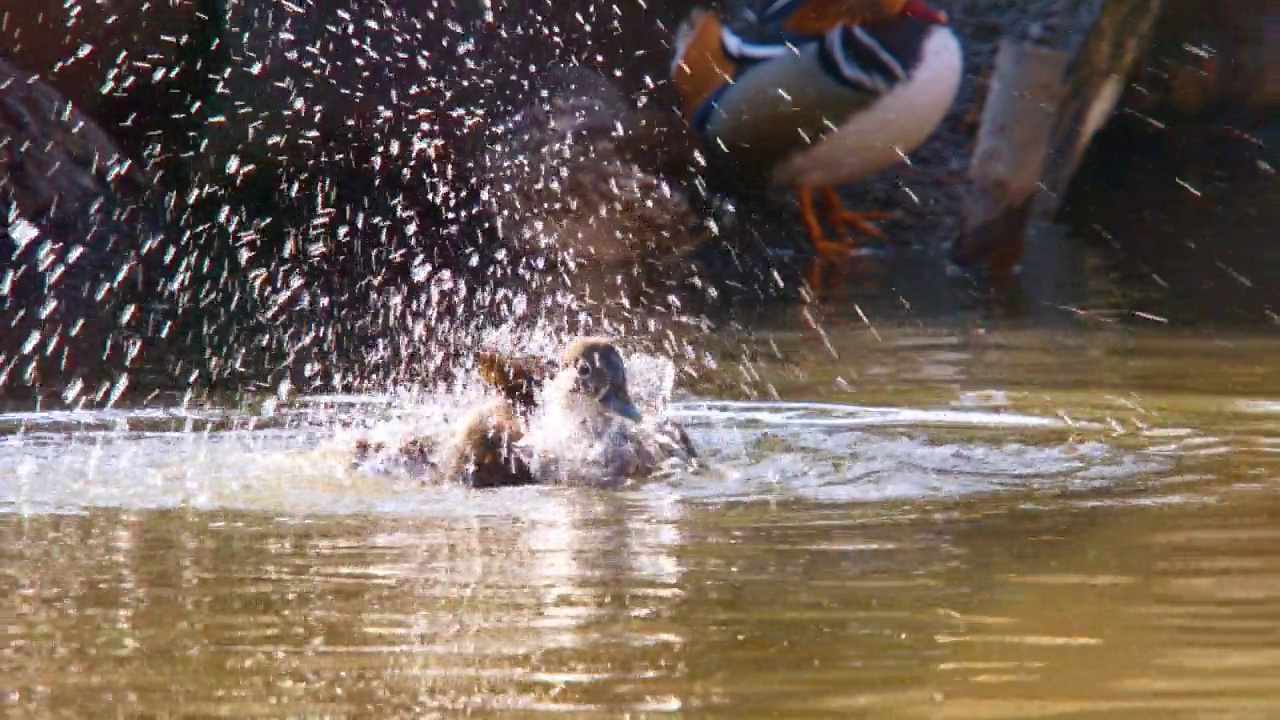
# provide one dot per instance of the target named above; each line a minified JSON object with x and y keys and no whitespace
{"x":311,"y":194}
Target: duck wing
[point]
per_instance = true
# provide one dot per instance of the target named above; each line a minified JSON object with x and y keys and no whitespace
{"x":668,"y":439}
{"x":485,"y":452}
{"x":517,"y":379}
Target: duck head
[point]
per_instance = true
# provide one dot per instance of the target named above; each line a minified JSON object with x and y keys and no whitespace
{"x":591,"y":370}
{"x":815,"y":17}
{"x":921,"y":10}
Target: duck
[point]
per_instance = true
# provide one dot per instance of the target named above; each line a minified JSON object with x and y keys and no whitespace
{"x":580,"y":423}
{"x":571,"y":421}
{"x":813,"y":94}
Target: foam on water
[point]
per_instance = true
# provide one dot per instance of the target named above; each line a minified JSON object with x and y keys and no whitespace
{"x":823,"y":453}
{"x":296,"y":458}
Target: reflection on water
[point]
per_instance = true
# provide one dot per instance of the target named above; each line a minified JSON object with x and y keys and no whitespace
{"x":997,"y":525}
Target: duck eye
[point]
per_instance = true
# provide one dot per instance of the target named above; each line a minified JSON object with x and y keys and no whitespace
{"x":584,"y":369}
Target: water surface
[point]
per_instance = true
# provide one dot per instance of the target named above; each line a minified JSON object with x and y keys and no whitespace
{"x":917,"y":522}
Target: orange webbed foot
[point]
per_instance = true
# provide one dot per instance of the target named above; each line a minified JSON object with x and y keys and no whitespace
{"x":829,"y":253}
{"x":840,"y":217}
{"x":823,"y":247}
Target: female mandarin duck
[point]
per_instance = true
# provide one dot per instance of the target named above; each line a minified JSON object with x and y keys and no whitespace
{"x":586,"y":429}
{"x":571,"y":422}
{"x":816,"y":93}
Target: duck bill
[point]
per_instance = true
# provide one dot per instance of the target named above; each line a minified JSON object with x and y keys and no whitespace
{"x":620,"y":404}
{"x":921,"y":10}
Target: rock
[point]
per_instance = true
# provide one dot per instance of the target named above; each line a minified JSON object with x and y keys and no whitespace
{"x":78,"y":244}
{"x":121,"y":62}
{"x":572,"y":182}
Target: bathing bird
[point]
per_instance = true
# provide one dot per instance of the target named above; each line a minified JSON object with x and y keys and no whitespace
{"x":572,"y":421}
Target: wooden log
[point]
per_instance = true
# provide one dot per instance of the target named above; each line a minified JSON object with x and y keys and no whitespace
{"x":1026,"y":90}
{"x":1099,"y":73}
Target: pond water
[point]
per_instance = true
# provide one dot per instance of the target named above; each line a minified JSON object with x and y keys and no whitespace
{"x":921,"y":522}
{"x":924,"y":506}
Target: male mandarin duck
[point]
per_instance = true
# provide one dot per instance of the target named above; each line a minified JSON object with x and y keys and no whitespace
{"x":817,"y":93}
{"x":570,"y":422}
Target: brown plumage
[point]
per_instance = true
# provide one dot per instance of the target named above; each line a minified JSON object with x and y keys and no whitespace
{"x":816,"y":17}
{"x":578,"y":180}
{"x":588,"y":384}
{"x":517,"y":379}
{"x":483,"y":453}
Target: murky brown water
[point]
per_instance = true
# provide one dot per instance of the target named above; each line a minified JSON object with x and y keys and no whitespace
{"x":1004,"y":523}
